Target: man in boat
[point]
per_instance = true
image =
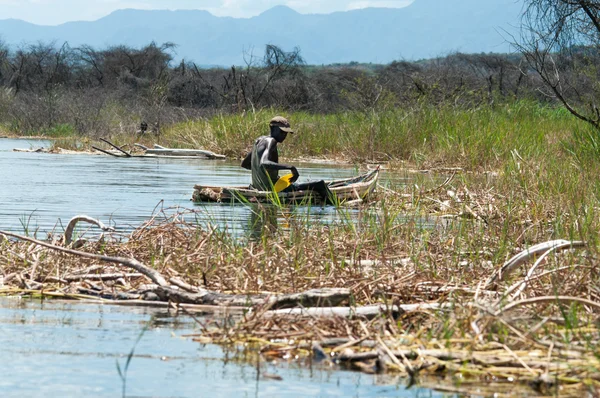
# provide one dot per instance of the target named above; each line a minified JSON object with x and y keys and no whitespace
{"x":263,"y":161}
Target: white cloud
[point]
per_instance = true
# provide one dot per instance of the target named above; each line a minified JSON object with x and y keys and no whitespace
{"x":54,"y":12}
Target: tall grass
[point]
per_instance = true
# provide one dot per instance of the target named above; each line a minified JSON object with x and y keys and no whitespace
{"x":479,"y":138}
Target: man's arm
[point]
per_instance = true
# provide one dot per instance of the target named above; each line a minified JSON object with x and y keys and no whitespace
{"x":247,"y":162}
{"x":267,"y":163}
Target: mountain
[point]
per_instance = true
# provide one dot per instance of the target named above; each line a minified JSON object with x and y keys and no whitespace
{"x":424,"y":29}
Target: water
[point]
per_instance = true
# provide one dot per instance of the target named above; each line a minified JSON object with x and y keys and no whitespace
{"x":41,"y":191}
{"x":69,"y":349}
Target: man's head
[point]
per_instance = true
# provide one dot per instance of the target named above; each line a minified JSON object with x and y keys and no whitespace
{"x":279,"y":128}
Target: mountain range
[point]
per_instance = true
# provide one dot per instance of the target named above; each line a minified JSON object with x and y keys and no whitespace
{"x":424,"y":29}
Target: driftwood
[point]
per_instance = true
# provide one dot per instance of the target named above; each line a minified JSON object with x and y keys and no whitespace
{"x":68,"y":236}
{"x":525,"y":255}
{"x":32,"y":150}
{"x":100,"y":277}
{"x":185,"y":286}
{"x":369,"y":311}
{"x":124,"y":152}
{"x":154,"y":275}
{"x":120,"y":151}
{"x":92,"y":277}
{"x":106,"y":152}
{"x":160,"y":151}
{"x":165,"y":292}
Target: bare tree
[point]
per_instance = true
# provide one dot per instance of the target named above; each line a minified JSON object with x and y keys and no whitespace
{"x":560,"y":40}
{"x":91,"y":65}
{"x":262,"y":82}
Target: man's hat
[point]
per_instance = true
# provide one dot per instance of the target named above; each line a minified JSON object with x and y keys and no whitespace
{"x":282,"y":123}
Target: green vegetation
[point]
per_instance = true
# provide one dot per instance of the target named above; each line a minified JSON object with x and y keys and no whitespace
{"x":480,"y":139}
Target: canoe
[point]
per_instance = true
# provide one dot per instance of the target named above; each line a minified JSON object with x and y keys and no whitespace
{"x":344,"y":190}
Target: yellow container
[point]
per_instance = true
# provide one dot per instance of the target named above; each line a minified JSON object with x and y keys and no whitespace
{"x":283,"y":182}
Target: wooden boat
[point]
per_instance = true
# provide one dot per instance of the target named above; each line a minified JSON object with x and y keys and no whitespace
{"x":344,"y":190}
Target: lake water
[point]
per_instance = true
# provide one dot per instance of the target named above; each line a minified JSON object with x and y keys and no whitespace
{"x":41,"y":191}
{"x":69,"y":349}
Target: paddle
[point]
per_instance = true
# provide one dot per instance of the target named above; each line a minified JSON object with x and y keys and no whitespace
{"x":283,"y":182}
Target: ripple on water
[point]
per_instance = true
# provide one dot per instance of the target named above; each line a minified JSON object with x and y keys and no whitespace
{"x":69,"y":349}
{"x":43,"y":191}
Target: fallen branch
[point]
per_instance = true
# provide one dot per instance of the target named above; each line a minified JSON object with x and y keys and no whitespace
{"x":165,"y":292}
{"x":162,"y":151}
{"x":106,"y":152}
{"x":185,"y":286}
{"x":548,"y":299}
{"x":369,"y":311}
{"x":127,"y":154}
{"x":73,"y":222}
{"x":529,"y":275}
{"x":525,"y":255}
{"x":100,"y":277}
{"x":154,"y":275}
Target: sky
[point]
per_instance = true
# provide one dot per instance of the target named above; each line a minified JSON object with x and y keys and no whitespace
{"x":56,"y":12}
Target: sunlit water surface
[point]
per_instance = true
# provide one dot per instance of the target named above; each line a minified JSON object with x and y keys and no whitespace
{"x":41,"y":191}
{"x":67,"y":349}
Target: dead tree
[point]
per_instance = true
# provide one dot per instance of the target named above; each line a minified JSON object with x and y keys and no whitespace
{"x":560,"y":40}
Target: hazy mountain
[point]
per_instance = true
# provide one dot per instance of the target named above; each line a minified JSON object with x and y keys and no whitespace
{"x":424,"y":29}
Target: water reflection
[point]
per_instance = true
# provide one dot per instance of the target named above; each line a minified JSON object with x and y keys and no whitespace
{"x":262,"y":221}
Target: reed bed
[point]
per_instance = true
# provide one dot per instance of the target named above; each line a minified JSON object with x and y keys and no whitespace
{"x":425,"y":136}
{"x":499,"y":257}
{"x":441,"y":244}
